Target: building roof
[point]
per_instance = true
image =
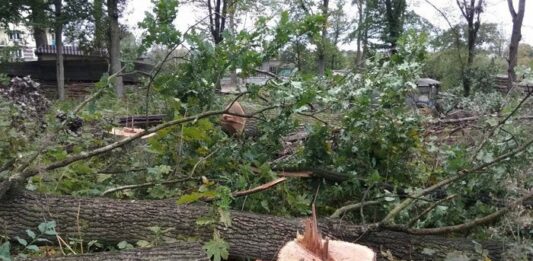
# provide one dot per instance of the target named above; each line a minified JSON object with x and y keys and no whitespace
{"x":70,"y":51}
{"x":426,"y":82}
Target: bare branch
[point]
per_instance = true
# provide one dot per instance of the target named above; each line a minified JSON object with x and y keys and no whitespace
{"x":259,"y":188}
{"x":342,"y":210}
{"x":143,"y":185}
{"x":511,"y":8}
{"x":96,"y":94}
{"x":428,"y":209}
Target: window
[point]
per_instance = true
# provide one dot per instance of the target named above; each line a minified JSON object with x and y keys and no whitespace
{"x":15,"y":35}
{"x":273,"y":69}
{"x":17,"y":54}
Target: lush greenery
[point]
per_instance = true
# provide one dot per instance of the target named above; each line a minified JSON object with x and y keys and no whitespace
{"x":358,"y":129}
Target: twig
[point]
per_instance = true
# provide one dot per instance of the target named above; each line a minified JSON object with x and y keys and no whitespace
{"x":269,"y":74}
{"x":21,"y":176}
{"x":159,"y":66}
{"x":342,"y":210}
{"x":314,"y":117}
{"x":259,"y":188}
{"x":201,"y":160}
{"x":461,"y":174}
{"x":79,"y":228}
{"x":96,"y":94}
{"x":148,"y":184}
{"x":428,"y":209}
{"x":60,"y":245}
{"x":62,"y":241}
{"x":461,"y":227}
{"x":500,"y":123}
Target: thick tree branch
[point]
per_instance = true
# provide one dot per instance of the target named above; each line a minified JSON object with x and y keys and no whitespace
{"x":338,"y":213}
{"x":465,"y":226}
{"x":461,"y":174}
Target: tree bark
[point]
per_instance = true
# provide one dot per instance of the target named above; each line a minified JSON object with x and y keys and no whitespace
{"x":516,"y":36}
{"x":250,"y":235}
{"x":60,"y":70}
{"x":114,"y":46}
{"x":232,"y":29}
{"x":187,"y":251}
{"x":38,"y":17}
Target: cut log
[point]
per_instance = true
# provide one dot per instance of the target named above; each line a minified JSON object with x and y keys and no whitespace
{"x":311,"y":246}
{"x":250,"y":235}
{"x":187,"y":251}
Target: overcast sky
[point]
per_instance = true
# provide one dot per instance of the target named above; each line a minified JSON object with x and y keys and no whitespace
{"x":496,"y":11}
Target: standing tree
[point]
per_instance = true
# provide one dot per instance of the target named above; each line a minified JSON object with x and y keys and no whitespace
{"x":394,"y":18}
{"x":114,"y":46}
{"x":38,"y":22}
{"x":321,"y":50}
{"x":471,"y":10}
{"x":361,"y":31}
{"x":99,"y":23}
{"x":516,"y":36}
{"x":339,"y":25}
{"x":60,"y":71}
{"x":217,"y":18}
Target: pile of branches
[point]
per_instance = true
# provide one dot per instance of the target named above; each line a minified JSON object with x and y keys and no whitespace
{"x":24,"y":94}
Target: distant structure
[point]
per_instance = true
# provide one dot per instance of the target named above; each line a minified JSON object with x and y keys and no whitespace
{"x":17,"y":43}
{"x":70,"y":53}
{"x":278,"y":67}
{"x":501,"y":84}
{"x":426,"y":93}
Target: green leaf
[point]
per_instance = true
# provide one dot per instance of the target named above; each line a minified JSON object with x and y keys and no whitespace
{"x":21,"y":241}
{"x":124,"y":245}
{"x":143,"y":244}
{"x":30,"y":233}
{"x":225,"y":217}
{"x":4,"y":252}
{"x":195,"y":196}
{"x":264,"y":204}
{"x":217,"y":248}
{"x":33,"y":248}
{"x":48,"y":228}
{"x":204,"y":221}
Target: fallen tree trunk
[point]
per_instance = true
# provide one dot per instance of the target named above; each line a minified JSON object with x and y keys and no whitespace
{"x":187,"y":251}
{"x":250,"y":235}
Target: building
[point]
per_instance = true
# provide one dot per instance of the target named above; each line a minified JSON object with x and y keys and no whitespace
{"x":70,"y":53}
{"x":17,"y":43}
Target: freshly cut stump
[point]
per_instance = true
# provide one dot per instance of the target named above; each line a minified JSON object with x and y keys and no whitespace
{"x":311,"y":247}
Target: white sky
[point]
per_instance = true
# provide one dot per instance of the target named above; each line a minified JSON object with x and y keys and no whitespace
{"x":496,"y":12}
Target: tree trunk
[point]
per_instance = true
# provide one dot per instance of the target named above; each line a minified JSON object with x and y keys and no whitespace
{"x":471,"y":11}
{"x":231,"y":13}
{"x":394,"y":14}
{"x":114,"y":46}
{"x":38,"y":17}
{"x":250,"y":235}
{"x":516,"y":36}
{"x":178,"y":251}
{"x":99,"y":24}
{"x":322,"y":46}
{"x":60,"y":70}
